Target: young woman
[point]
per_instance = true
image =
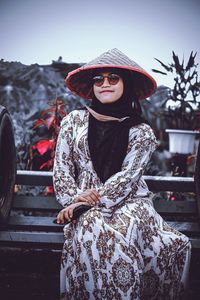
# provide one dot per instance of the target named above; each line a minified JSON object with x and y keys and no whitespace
{"x":120,"y":248}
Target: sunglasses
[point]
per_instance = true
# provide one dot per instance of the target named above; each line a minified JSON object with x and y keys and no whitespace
{"x":112,"y":79}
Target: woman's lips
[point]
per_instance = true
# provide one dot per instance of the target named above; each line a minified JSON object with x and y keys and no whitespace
{"x":106,"y":91}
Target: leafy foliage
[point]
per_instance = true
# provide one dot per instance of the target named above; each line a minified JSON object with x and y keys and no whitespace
{"x":44,"y":149}
{"x":183,"y":111}
{"x":25,"y":91}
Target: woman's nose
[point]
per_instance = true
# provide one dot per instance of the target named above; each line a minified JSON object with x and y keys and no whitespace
{"x":106,"y":82}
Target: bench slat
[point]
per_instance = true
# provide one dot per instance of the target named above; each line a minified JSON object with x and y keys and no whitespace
{"x":195,"y":243}
{"x":175,"y":207}
{"x":38,"y":178}
{"x":34,"y":239}
{"x":155,"y":183}
{"x":50,"y":203}
{"x":170,"y":183}
{"x":185,"y":227}
{"x":36,"y":203}
{"x":46,"y":224}
{"x":33,"y":223}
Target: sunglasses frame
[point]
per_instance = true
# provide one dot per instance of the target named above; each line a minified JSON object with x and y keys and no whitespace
{"x":98,"y":80}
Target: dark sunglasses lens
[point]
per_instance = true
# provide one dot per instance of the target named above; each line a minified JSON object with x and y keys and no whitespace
{"x":98,"y":80}
{"x":113,"y":78}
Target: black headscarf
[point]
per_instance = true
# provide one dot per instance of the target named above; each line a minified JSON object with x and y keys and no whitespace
{"x":108,"y":141}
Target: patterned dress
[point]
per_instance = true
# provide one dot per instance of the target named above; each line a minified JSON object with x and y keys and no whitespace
{"x":122,"y":248}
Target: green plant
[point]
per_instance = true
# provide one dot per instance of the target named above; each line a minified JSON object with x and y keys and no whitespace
{"x":181,"y":105}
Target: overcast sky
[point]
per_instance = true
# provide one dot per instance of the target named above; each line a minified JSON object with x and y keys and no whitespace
{"x":39,"y":31}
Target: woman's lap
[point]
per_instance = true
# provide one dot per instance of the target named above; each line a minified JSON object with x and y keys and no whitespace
{"x":134,"y":249}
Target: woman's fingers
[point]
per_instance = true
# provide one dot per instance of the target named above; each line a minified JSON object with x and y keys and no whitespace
{"x":70,"y":213}
{"x":91,"y":196}
{"x":82,"y":199}
{"x":60,"y":217}
{"x":63,"y":215}
{"x":86,"y":198}
{"x":90,"y":199}
{"x":95,"y":193}
{"x":67,"y":213}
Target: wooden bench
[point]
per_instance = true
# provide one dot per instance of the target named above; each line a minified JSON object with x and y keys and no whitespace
{"x":30,"y":244}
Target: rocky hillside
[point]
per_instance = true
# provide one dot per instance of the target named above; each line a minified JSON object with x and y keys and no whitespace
{"x":26,"y":90}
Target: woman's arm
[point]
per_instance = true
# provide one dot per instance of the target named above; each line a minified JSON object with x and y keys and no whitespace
{"x":66,"y":190}
{"x":141,"y":146}
{"x":65,"y":186}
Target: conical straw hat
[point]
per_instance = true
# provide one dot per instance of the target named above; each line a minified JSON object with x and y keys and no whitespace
{"x":79,"y":81}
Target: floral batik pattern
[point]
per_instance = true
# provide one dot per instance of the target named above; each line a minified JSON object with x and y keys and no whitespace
{"x":121,"y":248}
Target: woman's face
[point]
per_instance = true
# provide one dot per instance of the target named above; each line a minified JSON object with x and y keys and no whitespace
{"x":112,"y":87}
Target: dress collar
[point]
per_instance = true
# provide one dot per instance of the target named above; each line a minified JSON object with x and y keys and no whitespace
{"x":104,"y":118}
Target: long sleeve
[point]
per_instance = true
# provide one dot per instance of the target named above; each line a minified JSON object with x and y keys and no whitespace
{"x":64,"y":171}
{"x":142,"y":143}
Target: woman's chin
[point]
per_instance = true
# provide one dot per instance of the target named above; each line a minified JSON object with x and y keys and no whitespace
{"x":107,"y":99}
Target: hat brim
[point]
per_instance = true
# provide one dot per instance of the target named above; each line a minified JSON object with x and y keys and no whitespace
{"x":79,"y":81}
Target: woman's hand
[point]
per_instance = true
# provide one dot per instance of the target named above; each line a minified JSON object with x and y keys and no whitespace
{"x":66,"y":213}
{"x":90,"y":196}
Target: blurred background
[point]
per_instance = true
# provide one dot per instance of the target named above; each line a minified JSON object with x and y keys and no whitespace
{"x":38,"y":31}
{"x":41,"y":41}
